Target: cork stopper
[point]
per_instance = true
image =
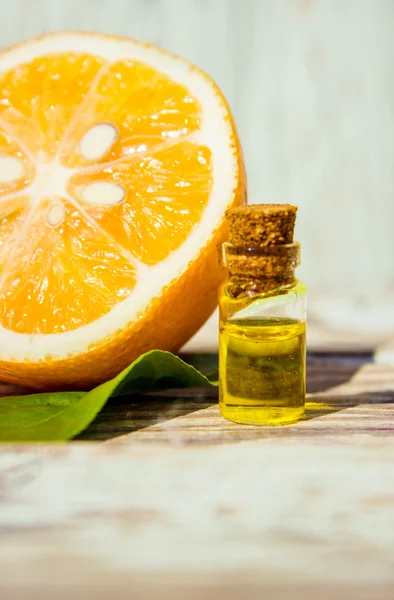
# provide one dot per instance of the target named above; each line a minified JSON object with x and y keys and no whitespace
{"x":261,"y":255}
{"x":261,"y":225}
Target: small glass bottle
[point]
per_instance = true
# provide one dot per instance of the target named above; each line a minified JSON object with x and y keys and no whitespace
{"x":262,"y":319}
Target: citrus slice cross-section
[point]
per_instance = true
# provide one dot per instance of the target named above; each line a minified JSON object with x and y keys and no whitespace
{"x":117,"y":163}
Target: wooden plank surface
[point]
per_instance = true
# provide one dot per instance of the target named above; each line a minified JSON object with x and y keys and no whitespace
{"x":96,"y":517}
{"x":344,"y":397}
{"x":179,"y":503}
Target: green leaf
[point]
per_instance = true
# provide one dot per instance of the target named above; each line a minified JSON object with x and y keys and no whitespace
{"x":59,"y":416}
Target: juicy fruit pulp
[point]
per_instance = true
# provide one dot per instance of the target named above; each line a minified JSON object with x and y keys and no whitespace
{"x":101,"y":178}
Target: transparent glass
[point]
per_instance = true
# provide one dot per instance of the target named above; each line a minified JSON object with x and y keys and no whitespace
{"x":262,"y":351}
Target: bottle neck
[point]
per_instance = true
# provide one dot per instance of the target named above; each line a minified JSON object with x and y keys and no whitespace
{"x":264,"y":270}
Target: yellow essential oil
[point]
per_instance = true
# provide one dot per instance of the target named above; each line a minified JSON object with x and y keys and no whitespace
{"x":262,"y":319}
{"x":262,"y":370}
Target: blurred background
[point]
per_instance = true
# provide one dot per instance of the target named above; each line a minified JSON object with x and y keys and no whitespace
{"x":311,"y":86}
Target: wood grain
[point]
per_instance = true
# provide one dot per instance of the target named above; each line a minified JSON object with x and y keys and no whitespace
{"x":179,"y":503}
{"x":344,"y":396}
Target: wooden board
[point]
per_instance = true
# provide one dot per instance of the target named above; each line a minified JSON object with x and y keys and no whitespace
{"x":350,"y":395}
{"x":177,"y":503}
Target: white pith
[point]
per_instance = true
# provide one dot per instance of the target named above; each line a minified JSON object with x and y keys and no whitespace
{"x":215,"y":132}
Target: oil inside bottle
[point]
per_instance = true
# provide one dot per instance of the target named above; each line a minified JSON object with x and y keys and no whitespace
{"x":262,"y":370}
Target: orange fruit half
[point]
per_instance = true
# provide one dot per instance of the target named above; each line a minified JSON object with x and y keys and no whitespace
{"x":117,"y":163}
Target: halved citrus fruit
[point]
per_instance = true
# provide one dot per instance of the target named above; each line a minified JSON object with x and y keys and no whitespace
{"x":117,"y":163}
